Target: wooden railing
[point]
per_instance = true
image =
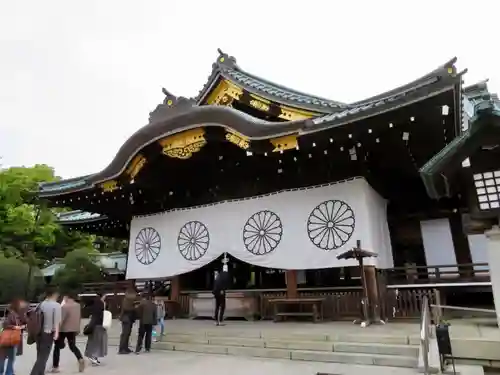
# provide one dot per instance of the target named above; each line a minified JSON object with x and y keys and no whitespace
{"x":474,"y":272}
{"x":407,"y":303}
{"x":398,"y":298}
{"x":343,"y":303}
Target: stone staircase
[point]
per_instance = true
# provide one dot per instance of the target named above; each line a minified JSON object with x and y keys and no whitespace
{"x":368,"y":349}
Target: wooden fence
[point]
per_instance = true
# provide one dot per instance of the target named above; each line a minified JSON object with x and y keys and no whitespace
{"x":344,"y":304}
{"x":398,"y":298}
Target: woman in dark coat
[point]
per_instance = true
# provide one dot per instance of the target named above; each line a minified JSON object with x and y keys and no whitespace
{"x":14,"y":320}
{"x":97,"y":343}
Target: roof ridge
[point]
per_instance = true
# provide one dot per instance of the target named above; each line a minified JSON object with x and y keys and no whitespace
{"x":227,"y":67}
{"x":280,"y":86}
{"x":450,"y":64}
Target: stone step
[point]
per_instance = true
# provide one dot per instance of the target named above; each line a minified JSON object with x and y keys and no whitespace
{"x":326,"y":346}
{"x":283,"y":336}
{"x":302,"y":355}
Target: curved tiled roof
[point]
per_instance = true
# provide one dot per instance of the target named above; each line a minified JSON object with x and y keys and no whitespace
{"x":178,"y":114}
{"x":226,"y":67}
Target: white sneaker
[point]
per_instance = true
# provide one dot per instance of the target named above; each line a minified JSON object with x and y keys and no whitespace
{"x":94,"y":361}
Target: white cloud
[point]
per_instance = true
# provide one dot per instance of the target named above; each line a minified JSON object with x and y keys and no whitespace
{"x":77,"y":78}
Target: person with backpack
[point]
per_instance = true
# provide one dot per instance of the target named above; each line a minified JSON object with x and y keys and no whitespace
{"x":43,"y":329}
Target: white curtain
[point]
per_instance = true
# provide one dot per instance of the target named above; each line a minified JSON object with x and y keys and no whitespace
{"x":438,"y":243}
{"x":478,"y":244}
{"x":293,"y":229}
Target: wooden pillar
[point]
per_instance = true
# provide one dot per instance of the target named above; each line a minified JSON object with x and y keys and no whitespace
{"x":291,"y":283}
{"x":175,"y":288}
{"x":373,"y":293}
{"x":461,"y":245}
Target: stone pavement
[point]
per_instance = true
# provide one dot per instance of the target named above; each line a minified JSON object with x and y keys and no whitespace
{"x":178,"y":363}
{"x":182,"y":363}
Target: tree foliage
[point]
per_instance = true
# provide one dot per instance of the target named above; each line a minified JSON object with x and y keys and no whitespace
{"x":27,"y":226}
{"x":31,"y":238}
{"x":14,"y":279}
{"x":79,"y":267}
{"x":24,"y":225}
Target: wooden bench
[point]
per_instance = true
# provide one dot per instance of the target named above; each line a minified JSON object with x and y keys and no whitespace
{"x":314,"y":305}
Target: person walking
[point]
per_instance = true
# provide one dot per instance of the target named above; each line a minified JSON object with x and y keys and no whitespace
{"x":147,"y":315}
{"x":160,"y":312}
{"x":71,"y":317}
{"x":127,"y":317}
{"x":13,"y":322}
{"x":219,"y":292}
{"x":50,"y":314}
{"x":97,"y":342}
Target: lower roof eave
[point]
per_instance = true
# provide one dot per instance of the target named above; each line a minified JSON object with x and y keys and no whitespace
{"x":437,"y":171}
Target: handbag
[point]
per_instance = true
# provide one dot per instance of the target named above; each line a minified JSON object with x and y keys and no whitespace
{"x":107,"y":319}
{"x":60,"y":342}
{"x":88,"y":329}
{"x":10,"y":338}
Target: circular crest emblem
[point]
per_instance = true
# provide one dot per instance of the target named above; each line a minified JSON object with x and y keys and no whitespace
{"x":331,"y":224}
{"x":147,"y":245}
{"x":262,"y":232}
{"x":193,"y":240}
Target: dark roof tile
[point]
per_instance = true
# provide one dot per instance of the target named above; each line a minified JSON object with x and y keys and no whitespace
{"x":265,"y":87}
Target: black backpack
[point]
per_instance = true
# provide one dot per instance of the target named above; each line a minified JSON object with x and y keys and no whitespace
{"x":34,"y":324}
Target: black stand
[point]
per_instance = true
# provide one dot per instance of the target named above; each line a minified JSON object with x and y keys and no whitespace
{"x":444,"y":346}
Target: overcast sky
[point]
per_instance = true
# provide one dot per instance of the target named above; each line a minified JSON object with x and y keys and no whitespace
{"x":77,"y":78}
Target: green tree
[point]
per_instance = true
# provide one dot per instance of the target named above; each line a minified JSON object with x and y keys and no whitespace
{"x":27,"y":226}
{"x":14,"y":277}
{"x":24,"y":225}
{"x":29,"y":231}
{"x":79,"y":267}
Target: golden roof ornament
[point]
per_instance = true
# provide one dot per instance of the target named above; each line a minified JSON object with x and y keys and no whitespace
{"x":171,"y":105}
{"x":225,"y":59}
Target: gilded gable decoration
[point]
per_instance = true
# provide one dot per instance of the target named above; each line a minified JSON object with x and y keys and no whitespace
{"x":183,"y":145}
{"x":238,"y":139}
{"x":287,"y":142}
{"x":135,"y":167}
{"x":109,"y":186}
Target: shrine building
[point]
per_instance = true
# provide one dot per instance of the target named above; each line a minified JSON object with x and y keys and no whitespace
{"x":277,"y":183}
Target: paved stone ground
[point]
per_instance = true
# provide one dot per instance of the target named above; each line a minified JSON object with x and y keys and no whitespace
{"x":159,"y":362}
{"x":178,"y":363}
